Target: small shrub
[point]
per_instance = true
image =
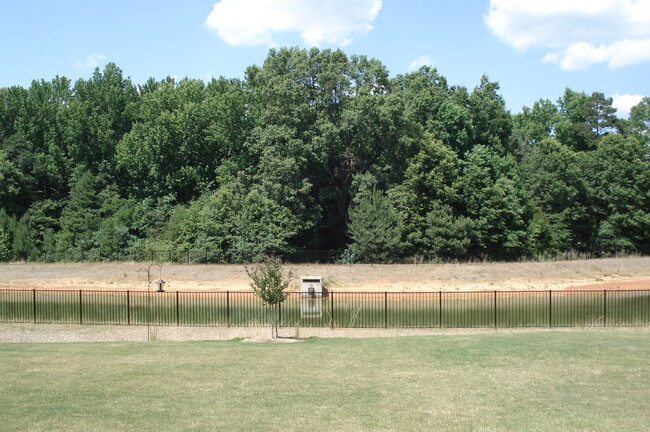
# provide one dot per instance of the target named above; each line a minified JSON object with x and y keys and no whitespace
{"x":270,"y":283}
{"x":347,"y":257}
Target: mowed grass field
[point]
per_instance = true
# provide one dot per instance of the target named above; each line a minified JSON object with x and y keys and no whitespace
{"x":563,"y":380}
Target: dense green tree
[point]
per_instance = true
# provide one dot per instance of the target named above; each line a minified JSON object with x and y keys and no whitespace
{"x":639,"y":120}
{"x":495,"y":203}
{"x":584,"y":119}
{"x":533,"y":125}
{"x":447,"y":235}
{"x":453,"y":126}
{"x":325,"y":119}
{"x":80,"y":217}
{"x":7,"y":228}
{"x":185,"y":133}
{"x":618,"y":175}
{"x":99,"y":115}
{"x":12,"y":182}
{"x":429,"y":182}
{"x":12,"y":109}
{"x":287,"y":159}
{"x":34,"y":128}
{"x":240,"y":225}
{"x":423,"y":93}
{"x":43,"y":220}
{"x":22,"y":244}
{"x":374,"y":229}
{"x":554,"y":181}
{"x":545,"y":238}
{"x":492,"y":123}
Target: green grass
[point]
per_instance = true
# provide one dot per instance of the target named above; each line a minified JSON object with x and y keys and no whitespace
{"x":577,"y":380}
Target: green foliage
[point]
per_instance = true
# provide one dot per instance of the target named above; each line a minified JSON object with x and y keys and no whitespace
{"x":584,"y":119}
{"x":7,"y":225}
{"x":269,"y":280}
{"x":495,"y":204}
{"x":429,"y":180}
{"x":555,"y":183}
{"x":639,"y":121}
{"x":533,"y":125}
{"x":11,"y":181}
{"x":447,"y":235}
{"x":374,"y":229}
{"x":544,"y":237}
{"x":287,"y":160}
{"x":346,"y":257}
{"x":618,"y":175}
{"x":492,"y":123}
{"x":241,"y":226}
{"x":23,"y":245}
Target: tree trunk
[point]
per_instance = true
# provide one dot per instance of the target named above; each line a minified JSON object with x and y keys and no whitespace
{"x":272,"y":318}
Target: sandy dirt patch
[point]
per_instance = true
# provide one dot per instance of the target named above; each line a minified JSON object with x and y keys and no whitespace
{"x":57,"y":333}
{"x":621,"y":273}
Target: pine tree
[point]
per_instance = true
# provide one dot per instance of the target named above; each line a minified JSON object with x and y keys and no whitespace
{"x":373,"y":228}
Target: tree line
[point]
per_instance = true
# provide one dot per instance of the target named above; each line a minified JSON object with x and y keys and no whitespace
{"x":317,"y":150}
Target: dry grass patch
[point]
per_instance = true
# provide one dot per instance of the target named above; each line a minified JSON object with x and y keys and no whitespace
{"x":622,"y":273}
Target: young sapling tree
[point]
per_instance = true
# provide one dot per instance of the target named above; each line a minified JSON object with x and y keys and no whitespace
{"x":269,"y":282}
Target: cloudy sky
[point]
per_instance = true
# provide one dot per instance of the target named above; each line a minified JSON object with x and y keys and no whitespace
{"x":533,"y":48}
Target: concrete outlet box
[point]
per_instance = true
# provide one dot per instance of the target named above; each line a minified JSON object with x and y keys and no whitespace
{"x":311,"y":296}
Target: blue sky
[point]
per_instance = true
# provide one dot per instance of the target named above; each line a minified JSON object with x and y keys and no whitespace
{"x":533,"y":48}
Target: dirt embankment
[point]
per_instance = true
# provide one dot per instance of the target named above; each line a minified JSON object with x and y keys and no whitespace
{"x":621,"y":273}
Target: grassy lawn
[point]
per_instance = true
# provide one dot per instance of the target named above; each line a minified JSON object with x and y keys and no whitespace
{"x":577,"y":380}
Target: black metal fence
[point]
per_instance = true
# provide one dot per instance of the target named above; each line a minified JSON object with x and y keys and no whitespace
{"x":496,"y":309}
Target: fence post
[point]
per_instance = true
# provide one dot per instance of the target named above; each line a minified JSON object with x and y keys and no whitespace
{"x":81,"y":309}
{"x":604,"y":308}
{"x":550,"y":308}
{"x":177,"y":310}
{"x":385,"y":309}
{"x":495,"y":308}
{"x":440,"y":309}
{"x":128,"y":307}
{"x":228,"y":308}
{"x":332,"y":310}
{"x":34,"y":303}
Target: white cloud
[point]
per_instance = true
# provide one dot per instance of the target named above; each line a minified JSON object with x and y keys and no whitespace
{"x":579,"y":33}
{"x":423,"y":60}
{"x":92,"y":61}
{"x":583,"y":55}
{"x":624,"y":103}
{"x":260,"y":22}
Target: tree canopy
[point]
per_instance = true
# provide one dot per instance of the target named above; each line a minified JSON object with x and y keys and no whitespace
{"x":316,"y":150}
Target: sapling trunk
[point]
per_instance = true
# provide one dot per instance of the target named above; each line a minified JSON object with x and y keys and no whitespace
{"x":269,"y":283}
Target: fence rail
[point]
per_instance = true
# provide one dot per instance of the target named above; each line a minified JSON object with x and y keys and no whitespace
{"x":498,"y":309}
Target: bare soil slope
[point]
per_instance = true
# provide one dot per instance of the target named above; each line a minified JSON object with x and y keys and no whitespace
{"x":621,"y":273}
